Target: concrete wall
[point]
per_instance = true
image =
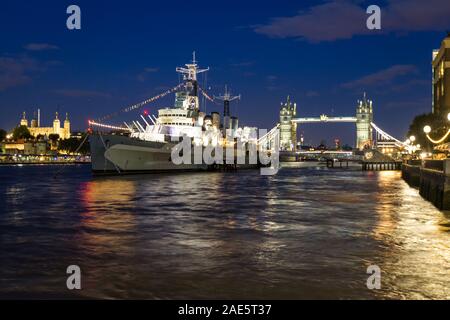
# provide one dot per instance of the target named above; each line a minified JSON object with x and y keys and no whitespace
{"x":411,"y":174}
{"x":433,"y":185}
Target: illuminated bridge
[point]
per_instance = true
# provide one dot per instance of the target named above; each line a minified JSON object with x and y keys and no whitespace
{"x":368,"y":134}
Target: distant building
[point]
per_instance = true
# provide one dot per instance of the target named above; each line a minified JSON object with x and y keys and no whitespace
{"x":25,"y":148}
{"x":35,"y":128}
{"x":11,"y":148}
{"x":288,"y":130}
{"x":388,"y":147}
{"x":36,"y":148}
{"x":441,"y":78}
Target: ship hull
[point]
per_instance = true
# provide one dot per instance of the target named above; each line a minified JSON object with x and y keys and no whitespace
{"x":116,"y":154}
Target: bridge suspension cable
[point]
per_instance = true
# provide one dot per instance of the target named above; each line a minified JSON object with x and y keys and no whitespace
{"x":387,"y":136}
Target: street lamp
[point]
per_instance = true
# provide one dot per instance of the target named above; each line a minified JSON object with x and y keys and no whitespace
{"x":427,"y":130}
{"x":412,"y":138}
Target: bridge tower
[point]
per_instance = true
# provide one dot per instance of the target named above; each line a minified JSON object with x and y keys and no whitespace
{"x":364,"y":118}
{"x":288,"y":129}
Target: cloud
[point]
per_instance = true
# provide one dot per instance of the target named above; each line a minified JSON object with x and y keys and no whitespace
{"x":312,"y":93}
{"x":242,"y":64}
{"x":325,"y":22}
{"x":272,"y":88}
{"x":421,"y":104}
{"x":380,"y":78}
{"x":151,"y":70}
{"x":40,"y":47}
{"x":76,"y":93}
{"x":143,"y":75}
{"x":248,"y":74}
{"x":158,"y":89}
{"x":343,"y":19}
{"x":408,"y":85}
{"x":271,"y":83}
{"x":16,"y":71}
{"x":52,"y":63}
{"x":417,"y":15}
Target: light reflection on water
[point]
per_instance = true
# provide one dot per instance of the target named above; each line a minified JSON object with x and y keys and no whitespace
{"x":300,"y":234}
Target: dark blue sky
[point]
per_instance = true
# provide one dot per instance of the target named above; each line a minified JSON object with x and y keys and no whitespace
{"x":319,"y":52}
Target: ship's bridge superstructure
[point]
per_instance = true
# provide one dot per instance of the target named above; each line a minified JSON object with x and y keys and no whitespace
{"x":177,"y":116}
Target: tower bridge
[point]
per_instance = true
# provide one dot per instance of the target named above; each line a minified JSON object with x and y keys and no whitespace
{"x":363,"y":119}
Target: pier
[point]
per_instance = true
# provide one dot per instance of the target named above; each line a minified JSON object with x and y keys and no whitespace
{"x":339,"y":163}
{"x":381,"y":166}
{"x":344,"y":159}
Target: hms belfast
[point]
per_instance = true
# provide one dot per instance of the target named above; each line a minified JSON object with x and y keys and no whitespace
{"x":148,"y":147}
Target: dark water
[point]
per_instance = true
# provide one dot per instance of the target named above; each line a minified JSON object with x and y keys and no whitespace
{"x":300,"y":234}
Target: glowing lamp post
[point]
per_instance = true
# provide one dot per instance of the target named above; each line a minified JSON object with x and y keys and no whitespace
{"x":427,"y":130}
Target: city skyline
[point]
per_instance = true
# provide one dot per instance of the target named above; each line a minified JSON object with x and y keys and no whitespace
{"x":119,"y":58}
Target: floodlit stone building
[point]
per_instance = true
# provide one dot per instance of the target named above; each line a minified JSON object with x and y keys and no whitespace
{"x":36,"y":130}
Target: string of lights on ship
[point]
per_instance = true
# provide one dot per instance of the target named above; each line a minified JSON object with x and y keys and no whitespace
{"x":99,"y":122}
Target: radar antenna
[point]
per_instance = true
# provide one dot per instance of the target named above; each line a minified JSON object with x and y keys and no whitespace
{"x":191,"y":70}
{"x":226,"y":98}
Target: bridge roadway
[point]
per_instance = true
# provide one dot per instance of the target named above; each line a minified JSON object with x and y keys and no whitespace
{"x":324,"y":118}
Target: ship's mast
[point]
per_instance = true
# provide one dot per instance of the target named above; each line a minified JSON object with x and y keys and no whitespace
{"x":190,"y":78}
{"x":226,"y":98}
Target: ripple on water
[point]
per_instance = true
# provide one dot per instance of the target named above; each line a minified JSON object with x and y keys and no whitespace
{"x":300,"y":234}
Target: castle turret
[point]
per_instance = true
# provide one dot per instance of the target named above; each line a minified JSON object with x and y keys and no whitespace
{"x":34,"y":121}
{"x":56,"y":125}
{"x":24,"y":121}
{"x":364,"y":118}
{"x":67,"y":122}
{"x":288,"y":130}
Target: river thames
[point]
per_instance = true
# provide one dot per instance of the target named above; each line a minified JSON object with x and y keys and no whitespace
{"x":302,"y":234}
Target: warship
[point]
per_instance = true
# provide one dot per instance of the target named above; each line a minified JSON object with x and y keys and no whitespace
{"x":147,"y":146}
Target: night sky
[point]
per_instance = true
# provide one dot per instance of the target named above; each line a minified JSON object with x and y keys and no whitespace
{"x":319,"y":52}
